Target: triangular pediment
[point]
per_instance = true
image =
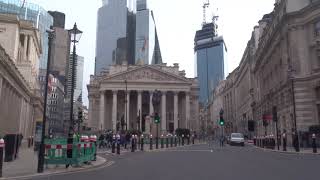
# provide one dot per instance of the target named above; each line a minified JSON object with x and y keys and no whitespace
{"x":147,"y":73}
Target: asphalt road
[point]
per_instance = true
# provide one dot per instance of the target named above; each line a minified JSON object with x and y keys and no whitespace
{"x":202,"y":162}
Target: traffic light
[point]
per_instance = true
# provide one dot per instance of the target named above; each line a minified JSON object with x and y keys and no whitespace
{"x":221,"y":120}
{"x":156,"y":118}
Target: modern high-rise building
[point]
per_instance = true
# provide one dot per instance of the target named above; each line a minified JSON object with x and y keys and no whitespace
{"x":147,"y":44}
{"x":79,"y":79}
{"x":60,"y":48}
{"x":41,"y":19}
{"x":210,"y":55}
{"x":126,"y":32}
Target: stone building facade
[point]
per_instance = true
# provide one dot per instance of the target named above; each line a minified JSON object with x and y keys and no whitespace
{"x":123,"y":96}
{"x":20,"y":108}
{"x":280,"y":69}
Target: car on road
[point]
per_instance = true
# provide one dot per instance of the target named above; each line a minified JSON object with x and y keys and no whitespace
{"x":236,"y":139}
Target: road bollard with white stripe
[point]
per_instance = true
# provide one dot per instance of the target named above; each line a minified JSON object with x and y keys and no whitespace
{"x":132,"y":143}
{"x":167,"y":141}
{"x":113,"y":149}
{"x":2,"y":144}
{"x":142,"y":142}
{"x":314,"y":144}
{"x":162,"y":145}
{"x":175,"y":140}
{"x":151,"y":143}
{"x":118,"y":144}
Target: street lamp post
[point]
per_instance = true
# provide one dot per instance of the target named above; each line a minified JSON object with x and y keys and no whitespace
{"x":41,"y":150}
{"x":75,"y":35}
{"x":125,"y":107}
{"x":296,"y":134}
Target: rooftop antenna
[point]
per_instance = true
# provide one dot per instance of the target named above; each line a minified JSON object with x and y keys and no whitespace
{"x":205,"y":5}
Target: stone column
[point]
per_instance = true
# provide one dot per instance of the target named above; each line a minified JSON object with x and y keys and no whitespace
{"x":151,"y":110}
{"x":150,"y":118}
{"x":139,"y":109}
{"x":175,"y":111}
{"x":24,"y":57}
{"x":127,"y":113}
{"x":114,"y":110}
{"x":163,"y":119}
{"x":102,"y":110}
{"x":187,"y":109}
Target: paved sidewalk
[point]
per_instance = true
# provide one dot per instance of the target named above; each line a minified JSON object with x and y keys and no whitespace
{"x":27,"y":162}
{"x":290,"y":150}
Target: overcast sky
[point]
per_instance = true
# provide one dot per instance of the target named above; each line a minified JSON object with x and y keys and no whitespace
{"x":176,"y":21}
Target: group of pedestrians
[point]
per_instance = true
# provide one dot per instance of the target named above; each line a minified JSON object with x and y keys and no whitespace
{"x":107,"y":139}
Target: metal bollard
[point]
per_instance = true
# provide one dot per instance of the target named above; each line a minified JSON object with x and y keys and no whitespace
{"x":179,"y":140}
{"x":182,"y":139}
{"x":284,"y":142}
{"x":162,"y":145}
{"x":132,"y":143}
{"x":188,"y":139}
{"x":171,"y":141}
{"x":151,"y":145}
{"x":113,"y":148}
{"x":314,"y":143}
{"x":192,"y":139}
{"x":2,"y":144}
{"x":175,"y":140}
{"x":142,"y":142}
{"x":167,"y":142}
{"x":118,"y":144}
{"x":157,"y":142}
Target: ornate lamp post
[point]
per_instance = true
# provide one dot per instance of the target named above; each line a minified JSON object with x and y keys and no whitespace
{"x":41,"y":150}
{"x":75,"y":35}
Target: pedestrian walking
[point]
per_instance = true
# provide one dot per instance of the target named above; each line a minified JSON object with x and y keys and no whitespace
{"x":221,"y":141}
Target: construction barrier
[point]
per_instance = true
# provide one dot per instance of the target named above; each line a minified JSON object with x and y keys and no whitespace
{"x":83,"y":150}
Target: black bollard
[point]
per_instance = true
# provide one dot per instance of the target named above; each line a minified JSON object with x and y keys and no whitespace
{"x":171,"y":141}
{"x":162,"y":143}
{"x":314,"y":144}
{"x":132,"y":143}
{"x":188,"y":139}
{"x":167,"y":142}
{"x":175,"y":141}
{"x":284,"y":143}
{"x":192,"y":139}
{"x":182,"y":140}
{"x":118,"y":148}
{"x":142,"y":143}
{"x":157,"y":142}
{"x":179,"y":141}
{"x":151,"y":145}
{"x":1,"y":155}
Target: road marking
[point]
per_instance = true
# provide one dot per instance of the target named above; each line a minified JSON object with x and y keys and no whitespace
{"x":48,"y":174}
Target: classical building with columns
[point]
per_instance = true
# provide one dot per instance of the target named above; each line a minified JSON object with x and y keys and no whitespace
{"x":121,"y":98}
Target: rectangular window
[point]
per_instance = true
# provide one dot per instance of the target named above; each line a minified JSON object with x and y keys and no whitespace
{"x":317,"y":28}
{"x":318,"y":93}
{"x":318,"y":108}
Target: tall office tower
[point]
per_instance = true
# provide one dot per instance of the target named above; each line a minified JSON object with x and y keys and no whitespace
{"x":115,"y":34}
{"x":147,"y":44}
{"x":79,"y":79}
{"x":60,"y":48}
{"x":41,"y":19}
{"x":210,"y":54}
{"x":126,"y":33}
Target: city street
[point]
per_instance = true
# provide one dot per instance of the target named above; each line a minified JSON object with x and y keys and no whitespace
{"x":203,"y":162}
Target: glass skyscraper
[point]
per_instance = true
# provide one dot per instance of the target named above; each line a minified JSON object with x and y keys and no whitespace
{"x":32,"y":12}
{"x":210,"y":55}
{"x":147,"y":44}
{"x":126,"y":32}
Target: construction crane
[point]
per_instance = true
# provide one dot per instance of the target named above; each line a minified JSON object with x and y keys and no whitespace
{"x":205,"y":5}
